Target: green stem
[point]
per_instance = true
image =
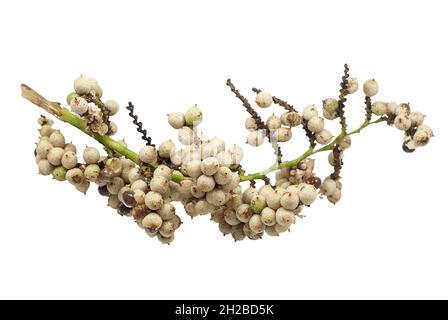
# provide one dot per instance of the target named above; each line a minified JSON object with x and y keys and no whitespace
{"x":306,"y":154}
{"x":63,"y":114}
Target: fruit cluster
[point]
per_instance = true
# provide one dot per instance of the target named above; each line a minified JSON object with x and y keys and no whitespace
{"x":203,"y":174}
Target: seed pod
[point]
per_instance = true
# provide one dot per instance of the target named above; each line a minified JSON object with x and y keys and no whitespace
{"x":59,"y":173}
{"x":115,"y":185}
{"x":263,"y":99}
{"x":45,"y":167}
{"x":402,"y":122}
{"x":159,"y":184}
{"x":315,"y":124}
{"x":91,"y":172}
{"x":379,"y":108}
{"x":148,"y":154}
{"x":152,"y":221}
{"x":310,"y":112}
{"x":193,"y":116}
{"x":273,"y":122}
{"x":370,"y":87}
{"x":255,"y":138}
{"x":268,"y":216}
{"x":324,"y":137}
{"x":185,"y":136}
{"x":307,"y":194}
{"x":164,"y":171}
{"x":57,"y":139}
{"x":43,"y":148}
{"x":255,"y":224}
{"x":328,"y":187}
{"x":166,"y":148}
{"x":176,"y":119}
{"x":55,"y":156}
{"x":285,"y":217}
{"x":290,"y":200}
{"x":243,"y":213}
{"x":75,"y":176}
{"x":258,"y":203}
{"x":330,"y":105}
{"x":217,"y":197}
{"x":112,"y":107}
{"x":209,"y":166}
{"x":352,"y":85}
{"x":291,"y":119}
{"x":91,"y":155}
{"x":223,"y":176}
{"x":251,"y":124}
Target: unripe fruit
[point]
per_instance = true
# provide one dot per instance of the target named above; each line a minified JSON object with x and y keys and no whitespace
{"x":69,"y":160}
{"x":167,"y":211}
{"x":192,"y":168}
{"x":236,"y":153}
{"x":167,"y":229}
{"x":159,"y":184}
{"x":235,"y":200}
{"x":45,"y":167}
{"x":255,"y":138}
{"x":238,"y":233}
{"x":324,"y":137}
{"x":176,"y":119}
{"x":255,"y":224}
{"x":83,"y":187}
{"x":166,"y":148}
{"x":230,"y":217}
{"x":268,"y":216}
{"x":148,"y":154}
{"x":307,"y":194}
{"x":165,"y":240}
{"x":153,"y":200}
{"x":217,"y":215}
{"x":112,"y":107}
{"x":273,"y":122}
{"x":46,"y":130}
{"x":251,"y":124}
{"x":328,"y":187}
{"x":113,"y":128}
{"x":417,"y":118}
{"x":114,"y":165}
{"x":139,"y":196}
{"x":223,"y":175}
{"x":273,"y":199}
{"x":270,"y":231}
{"x":185,"y":136}
{"x":421,"y":138}
{"x":55,"y":156}
{"x":258,"y":203}
{"x":209,"y":166}
{"x":193,"y":116}
{"x":310,"y":112}
{"x":248,"y":194}
{"x":352,"y":85}
{"x":403,"y":108}
{"x":335,"y":197}
{"x":134,"y":175}
{"x":315,"y":124}
{"x":202,"y":207}
{"x":79,"y":105}
{"x":43,"y":148}
{"x":57,"y":139}
{"x":285,"y":217}
{"x":331,"y":105}
{"x":379,"y":108}
{"x":370,"y":87}
{"x":332,"y":160}
{"x":290,"y":200}
{"x":164,"y":171}
{"x":402,"y":122}
{"x":243,"y":213}
{"x":263,"y":99}
{"x":329,"y":116}
{"x":225,"y":228}
{"x":283,"y":134}
{"x":345,"y":143}
{"x":391,"y":108}
{"x":205,"y":183}
{"x":59,"y":173}
{"x":70,"y":147}
{"x":216,"y":197}
{"x":75,"y":176}
{"x":291,"y":119}
{"x":70,"y":97}
{"x":91,"y":155}
{"x":83,"y":85}
{"x":224,"y":158}
{"x":139,"y":185}
{"x":152,"y":221}
{"x":113,"y":201}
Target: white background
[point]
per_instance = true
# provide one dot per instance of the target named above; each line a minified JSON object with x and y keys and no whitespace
{"x":388,"y":236}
